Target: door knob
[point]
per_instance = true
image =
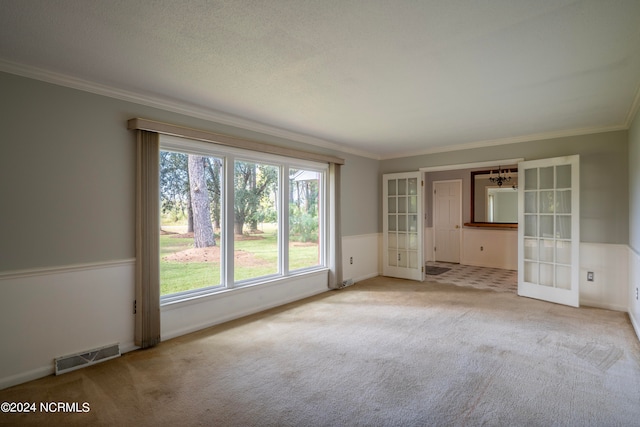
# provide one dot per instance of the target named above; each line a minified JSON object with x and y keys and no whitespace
{"x":457,"y":226}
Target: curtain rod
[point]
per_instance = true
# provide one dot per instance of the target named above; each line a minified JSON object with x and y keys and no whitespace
{"x":230,"y":141}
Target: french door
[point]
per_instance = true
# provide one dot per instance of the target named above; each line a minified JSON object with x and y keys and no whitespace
{"x":549,"y":229}
{"x":403,"y":226}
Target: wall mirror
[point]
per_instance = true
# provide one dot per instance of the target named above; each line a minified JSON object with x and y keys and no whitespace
{"x":494,"y":196}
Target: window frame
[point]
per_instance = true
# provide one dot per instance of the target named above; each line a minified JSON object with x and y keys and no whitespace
{"x":323,"y":229}
{"x":229,"y":156}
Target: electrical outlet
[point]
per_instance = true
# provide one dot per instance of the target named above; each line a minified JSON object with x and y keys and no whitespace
{"x":350,"y":260}
{"x":590,"y":276}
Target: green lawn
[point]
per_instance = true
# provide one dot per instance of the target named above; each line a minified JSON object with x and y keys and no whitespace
{"x":255,"y":258}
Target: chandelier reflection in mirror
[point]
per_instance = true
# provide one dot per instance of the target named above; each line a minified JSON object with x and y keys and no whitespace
{"x":502,"y":178}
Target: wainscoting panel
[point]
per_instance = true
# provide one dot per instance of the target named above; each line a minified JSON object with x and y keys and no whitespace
{"x":490,"y":248}
{"x":53,"y":312}
{"x":634,"y":290}
{"x":362,"y":256}
{"x":482,"y":247}
{"x":610,"y":266}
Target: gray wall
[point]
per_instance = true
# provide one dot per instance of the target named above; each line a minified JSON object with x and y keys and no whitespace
{"x":634,"y":184}
{"x":604,"y":166}
{"x":67,"y":175}
{"x":361,"y":195}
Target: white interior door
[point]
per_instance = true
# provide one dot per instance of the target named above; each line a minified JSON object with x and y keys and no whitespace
{"x":549,"y":229}
{"x":403,"y":226}
{"x":447,"y":219}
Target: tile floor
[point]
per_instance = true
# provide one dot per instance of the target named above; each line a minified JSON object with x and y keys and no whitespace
{"x":494,"y":279}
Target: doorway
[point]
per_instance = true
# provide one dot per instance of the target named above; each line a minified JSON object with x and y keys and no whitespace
{"x":447,"y":220}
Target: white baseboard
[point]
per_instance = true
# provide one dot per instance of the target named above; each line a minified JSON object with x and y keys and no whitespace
{"x":127,"y":347}
{"x":23,"y":377}
{"x":603,"y":305}
{"x":365,"y":277}
{"x":635,"y":323}
{"x":634,"y":282}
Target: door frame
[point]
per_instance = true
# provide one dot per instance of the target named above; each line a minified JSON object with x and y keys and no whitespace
{"x":433,"y":213}
{"x":454,"y":167}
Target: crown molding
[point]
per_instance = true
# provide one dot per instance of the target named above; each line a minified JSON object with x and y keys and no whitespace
{"x":173,"y":106}
{"x":246,"y":124}
{"x":510,"y":140}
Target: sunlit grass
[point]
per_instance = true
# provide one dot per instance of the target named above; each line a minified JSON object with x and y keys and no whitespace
{"x":256,"y":258}
{"x":303,"y":256}
{"x":183,"y":276}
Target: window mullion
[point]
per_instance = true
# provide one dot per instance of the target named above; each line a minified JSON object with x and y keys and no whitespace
{"x":283,"y":227}
{"x":227,"y":226}
{"x":323,"y":213}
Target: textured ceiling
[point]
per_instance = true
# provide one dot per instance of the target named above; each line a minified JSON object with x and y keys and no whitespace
{"x":383,"y":78}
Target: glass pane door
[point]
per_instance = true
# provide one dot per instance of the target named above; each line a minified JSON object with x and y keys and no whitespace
{"x":403,"y":226}
{"x":549,"y":230}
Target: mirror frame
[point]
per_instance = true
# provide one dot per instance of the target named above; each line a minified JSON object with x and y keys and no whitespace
{"x":473,"y":223}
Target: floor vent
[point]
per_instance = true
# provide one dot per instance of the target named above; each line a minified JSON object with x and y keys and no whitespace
{"x":80,"y":360}
{"x":346,"y":283}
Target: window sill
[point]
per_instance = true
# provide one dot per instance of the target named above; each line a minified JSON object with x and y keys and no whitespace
{"x":169,"y":302}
